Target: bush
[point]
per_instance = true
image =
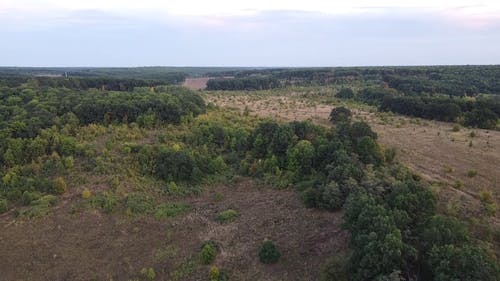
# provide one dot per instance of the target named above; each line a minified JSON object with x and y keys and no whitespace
{"x":390,"y":155}
{"x":86,"y":194}
{"x":486,"y":196}
{"x":345,"y":93}
{"x":214,"y":273}
{"x":106,"y":201}
{"x":60,"y":186}
{"x":455,"y":128}
{"x":148,"y":273}
{"x":208,"y":253}
{"x":472,"y":173}
{"x":139,"y":203}
{"x":227,"y":216}
{"x":168,"y":210}
{"x":335,"y":269}
{"x":268,"y":252}
{"x":40,"y":207}
{"x":3,"y":205}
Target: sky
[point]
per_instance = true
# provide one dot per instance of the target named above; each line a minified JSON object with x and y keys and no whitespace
{"x":258,"y":33}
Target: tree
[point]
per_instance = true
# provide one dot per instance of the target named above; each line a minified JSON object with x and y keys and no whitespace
{"x":268,"y":252}
{"x":468,"y":263}
{"x":378,"y":247}
{"x":481,"y":118}
{"x":340,"y":114}
{"x":300,"y":158}
{"x":345,"y":93}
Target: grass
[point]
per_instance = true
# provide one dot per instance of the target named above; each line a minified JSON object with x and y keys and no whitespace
{"x":40,"y":207}
{"x":227,"y":216}
{"x":164,"y":253}
{"x":471,"y":173}
{"x":168,"y":210}
{"x":139,"y":204}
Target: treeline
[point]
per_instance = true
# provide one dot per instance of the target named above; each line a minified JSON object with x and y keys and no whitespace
{"x":448,"y":80}
{"x":481,"y":112}
{"x":85,"y":83}
{"x":248,"y":83}
{"x":170,"y":75}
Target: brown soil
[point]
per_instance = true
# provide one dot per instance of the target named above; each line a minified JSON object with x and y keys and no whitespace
{"x":91,"y":245}
{"x":196,"y":83}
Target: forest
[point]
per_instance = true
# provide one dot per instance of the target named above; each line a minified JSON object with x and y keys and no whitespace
{"x":52,"y":130}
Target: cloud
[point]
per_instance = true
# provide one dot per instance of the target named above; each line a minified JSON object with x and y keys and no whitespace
{"x":276,"y":33}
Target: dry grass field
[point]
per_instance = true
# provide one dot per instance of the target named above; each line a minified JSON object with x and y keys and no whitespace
{"x":91,"y":245}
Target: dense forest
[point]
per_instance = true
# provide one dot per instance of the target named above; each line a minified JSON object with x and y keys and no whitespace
{"x":246,"y":83}
{"x":395,"y":232}
{"x":446,"y":80}
{"x":481,"y":112}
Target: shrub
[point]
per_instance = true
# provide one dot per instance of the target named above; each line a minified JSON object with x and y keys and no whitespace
{"x":106,"y":201}
{"x":41,"y":207}
{"x":455,"y":128}
{"x":148,"y":273}
{"x":139,"y":203}
{"x":167,"y":210}
{"x":490,"y":208}
{"x":472,"y":173}
{"x":214,"y":273}
{"x":332,"y":197}
{"x":345,"y":93}
{"x":335,"y":269}
{"x":227,"y":215}
{"x":68,"y":162}
{"x":208,"y":253}
{"x":29,"y":197}
{"x":486,"y":196}
{"x":390,"y":155}
{"x":3,"y":205}
{"x":86,"y":194}
{"x":268,"y":252}
{"x":60,"y":186}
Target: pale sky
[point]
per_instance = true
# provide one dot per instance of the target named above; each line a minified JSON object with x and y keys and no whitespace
{"x":248,"y":33}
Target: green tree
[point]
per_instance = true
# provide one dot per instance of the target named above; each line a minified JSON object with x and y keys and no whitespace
{"x":345,"y":93}
{"x":466,"y":263}
{"x":340,"y":114}
{"x":268,"y":252}
{"x":300,"y":158}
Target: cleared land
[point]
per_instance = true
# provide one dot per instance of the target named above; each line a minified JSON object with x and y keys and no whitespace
{"x":91,"y":245}
{"x":196,"y":83}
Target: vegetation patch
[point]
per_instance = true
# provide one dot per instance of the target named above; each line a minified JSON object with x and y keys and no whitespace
{"x":167,"y":210}
{"x":268,"y":252}
{"x":227,"y":216}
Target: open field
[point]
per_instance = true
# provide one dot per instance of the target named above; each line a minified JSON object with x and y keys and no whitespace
{"x":196,"y":83}
{"x":447,"y":159}
{"x":90,"y":245}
